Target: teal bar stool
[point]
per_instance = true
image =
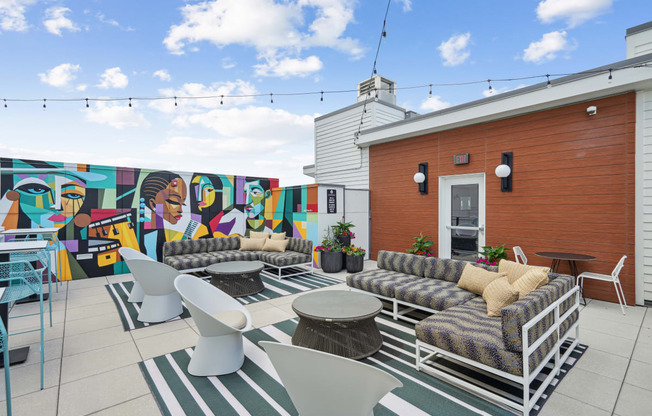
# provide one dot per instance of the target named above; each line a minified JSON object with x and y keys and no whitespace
{"x":4,"y":349}
{"x":44,"y":258}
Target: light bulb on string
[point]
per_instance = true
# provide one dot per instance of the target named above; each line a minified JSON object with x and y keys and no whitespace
{"x":271,"y":98}
{"x":430,"y":92}
{"x":87,"y":106}
{"x":610,"y":77}
{"x":221,"y":100}
{"x":548,"y":85}
{"x":491,"y":90}
{"x":175,"y":101}
{"x":5,"y":102}
{"x":44,"y":106}
{"x":322,"y":96}
{"x":130,"y":102}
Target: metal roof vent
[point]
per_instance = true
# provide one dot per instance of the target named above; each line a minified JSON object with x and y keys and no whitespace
{"x":382,"y":89}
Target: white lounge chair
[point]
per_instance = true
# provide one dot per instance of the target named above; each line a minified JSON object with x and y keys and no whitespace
{"x":613,"y":277}
{"x":136,"y":294}
{"x":519,"y":256}
{"x":221,"y":320}
{"x":325,"y":384}
{"x":161,"y":301}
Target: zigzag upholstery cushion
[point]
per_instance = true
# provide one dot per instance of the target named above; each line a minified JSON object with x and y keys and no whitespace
{"x":401,"y":262}
{"x":466,"y":330}
{"x":514,"y":316}
{"x":444,"y":269}
{"x":284,"y":259}
{"x":235,"y":255}
{"x":432,"y":293}
{"x":191,"y":261}
{"x":381,"y":282}
{"x":175,"y":248}
{"x":300,"y":245}
{"x":223,"y":243}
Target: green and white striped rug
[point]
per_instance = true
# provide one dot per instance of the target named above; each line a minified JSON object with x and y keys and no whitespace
{"x":274,"y":288}
{"x":256,"y":390}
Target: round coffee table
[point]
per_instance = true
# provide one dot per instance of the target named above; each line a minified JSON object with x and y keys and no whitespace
{"x":338,"y":322}
{"x":237,"y":278}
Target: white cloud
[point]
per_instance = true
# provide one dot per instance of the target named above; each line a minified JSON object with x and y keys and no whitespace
{"x":454,"y":51}
{"x":163,"y":75}
{"x":56,"y":21}
{"x":111,"y":22}
{"x":288,"y":67}
{"x":118,"y":116}
{"x":81,"y":87}
{"x":573,"y":12}
{"x":407,"y":5}
{"x":228,"y":63}
{"x":216,"y":89}
{"x":60,"y":76}
{"x":547,"y":48}
{"x":266,"y":25}
{"x":434,"y":103}
{"x":113,"y":78}
{"x":12,"y":15}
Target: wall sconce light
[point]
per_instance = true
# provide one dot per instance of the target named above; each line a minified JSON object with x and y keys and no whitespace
{"x":421,"y":178}
{"x":504,"y":172}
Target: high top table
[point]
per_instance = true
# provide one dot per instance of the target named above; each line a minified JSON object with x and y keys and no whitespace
{"x":572,"y":259}
{"x":17,"y":355}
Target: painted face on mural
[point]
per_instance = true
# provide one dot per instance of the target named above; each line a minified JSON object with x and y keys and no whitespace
{"x":49,"y":200}
{"x":255,"y":198}
{"x":204,"y":191}
{"x":170,"y":200}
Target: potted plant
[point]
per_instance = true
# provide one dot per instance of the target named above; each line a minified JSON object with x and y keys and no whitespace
{"x":354,"y":258}
{"x":331,"y":255}
{"x":492,"y":256}
{"x":421,"y":246}
{"x":342,"y":232}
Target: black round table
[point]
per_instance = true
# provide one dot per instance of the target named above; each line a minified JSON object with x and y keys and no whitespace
{"x":558,"y":257}
{"x":237,"y":278}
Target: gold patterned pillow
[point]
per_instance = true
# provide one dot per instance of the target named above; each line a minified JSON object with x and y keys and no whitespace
{"x":251,"y":244}
{"x":474,"y":279}
{"x":499,"y":294}
{"x":515,"y":270}
{"x":275,"y":245}
{"x":255,"y":234}
{"x":531,"y":280}
{"x":278,"y":236}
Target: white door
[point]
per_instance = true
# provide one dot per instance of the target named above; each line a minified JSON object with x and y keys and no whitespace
{"x":461,"y":216}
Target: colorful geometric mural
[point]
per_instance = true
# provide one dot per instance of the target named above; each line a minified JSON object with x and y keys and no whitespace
{"x":99,"y":209}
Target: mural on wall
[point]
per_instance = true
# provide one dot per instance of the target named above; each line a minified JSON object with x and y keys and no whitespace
{"x":98,"y":209}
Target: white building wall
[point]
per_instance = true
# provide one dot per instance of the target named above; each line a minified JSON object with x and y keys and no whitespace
{"x":644,"y":196}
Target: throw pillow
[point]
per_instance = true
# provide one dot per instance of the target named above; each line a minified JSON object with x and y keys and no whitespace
{"x":251,"y":244}
{"x":531,"y":280}
{"x":278,"y":236}
{"x":275,"y":245}
{"x":475,"y":279}
{"x":499,"y":294}
{"x":515,"y":270}
{"x":234,"y":319}
{"x":255,"y":234}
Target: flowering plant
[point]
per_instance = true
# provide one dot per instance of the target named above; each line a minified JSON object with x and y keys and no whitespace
{"x":354,"y":251}
{"x":328,"y":244}
{"x":421,"y":246}
{"x":342,"y":228}
{"x":492,"y":255}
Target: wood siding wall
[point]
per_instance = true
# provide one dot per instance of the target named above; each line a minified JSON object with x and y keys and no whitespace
{"x":573,"y":186}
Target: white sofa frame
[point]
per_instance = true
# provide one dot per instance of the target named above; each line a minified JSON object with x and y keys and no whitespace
{"x":396,"y":313}
{"x":279,"y":275}
{"x":422,"y":363}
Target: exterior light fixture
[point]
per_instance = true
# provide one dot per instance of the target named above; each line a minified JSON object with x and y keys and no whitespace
{"x":504,"y":172}
{"x":421,"y":178}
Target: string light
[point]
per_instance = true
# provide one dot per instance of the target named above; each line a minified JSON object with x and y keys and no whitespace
{"x":610,"y":76}
{"x":87,"y":106}
{"x":5,"y":103}
{"x":221,"y":100}
{"x":271,"y":98}
{"x":430,"y":92}
{"x":175,"y":101}
{"x":548,"y":84}
{"x":491,"y":90}
{"x":322,"y":96}
{"x":44,"y":106}
{"x":129,"y":101}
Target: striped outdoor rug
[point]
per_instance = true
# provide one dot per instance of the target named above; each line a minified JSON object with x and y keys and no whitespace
{"x":274,"y":288}
{"x":256,"y":390}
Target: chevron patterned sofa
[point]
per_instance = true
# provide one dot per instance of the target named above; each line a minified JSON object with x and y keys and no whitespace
{"x":196,"y":255}
{"x":460,"y":328}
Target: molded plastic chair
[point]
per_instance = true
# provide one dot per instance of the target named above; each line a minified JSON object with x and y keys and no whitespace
{"x":161,"y":301}
{"x":325,"y":384}
{"x":608,"y":278}
{"x":23,"y":281}
{"x":221,"y":320}
{"x":137,"y":294}
{"x":518,"y":253}
{"x":4,"y":349}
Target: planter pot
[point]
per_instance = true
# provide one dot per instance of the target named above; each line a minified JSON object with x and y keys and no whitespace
{"x":331,"y":261}
{"x":344,"y":240}
{"x":354,"y":264}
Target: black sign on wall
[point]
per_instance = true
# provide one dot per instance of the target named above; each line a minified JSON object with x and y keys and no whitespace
{"x":331,"y":201}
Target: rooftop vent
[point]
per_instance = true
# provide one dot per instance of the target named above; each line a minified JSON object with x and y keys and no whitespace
{"x":377,"y":87}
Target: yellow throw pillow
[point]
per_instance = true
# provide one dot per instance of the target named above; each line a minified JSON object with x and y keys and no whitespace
{"x":278,"y":236}
{"x":234,"y":319}
{"x":275,"y":245}
{"x":531,"y":280}
{"x":255,"y":234}
{"x":475,"y":279}
{"x":251,"y":244}
{"x":499,"y":294}
{"x":515,"y":270}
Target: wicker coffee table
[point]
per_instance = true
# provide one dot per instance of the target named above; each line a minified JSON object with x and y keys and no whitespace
{"x":237,"y":278}
{"x":338,"y":322}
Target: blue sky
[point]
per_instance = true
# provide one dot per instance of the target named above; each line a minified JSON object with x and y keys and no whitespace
{"x":150,"y":48}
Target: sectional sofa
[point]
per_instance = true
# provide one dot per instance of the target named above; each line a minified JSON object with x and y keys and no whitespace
{"x":459,"y":328}
{"x":195,"y":255}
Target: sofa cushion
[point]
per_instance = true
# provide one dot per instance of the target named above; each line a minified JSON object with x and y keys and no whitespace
{"x":300,"y":245}
{"x":381,"y":282}
{"x":466,"y":330}
{"x":190,"y":261}
{"x":432,"y":293}
{"x":401,"y":262}
{"x":515,"y":270}
{"x":518,"y":313}
{"x":443,"y":269}
{"x":287,"y":258}
{"x":223,"y":243}
{"x":278,"y":236}
{"x":531,"y":280}
{"x":275,"y":245}
{"x":475,"y":279}
{"x":175,"y":248}
{"x":251,"y":244}
{"x":499,"y":294}
{"x":256,"y":234}
{"x":235,"y":255}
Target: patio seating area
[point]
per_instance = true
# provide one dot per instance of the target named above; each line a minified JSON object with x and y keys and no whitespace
{"x":91,"y":362}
